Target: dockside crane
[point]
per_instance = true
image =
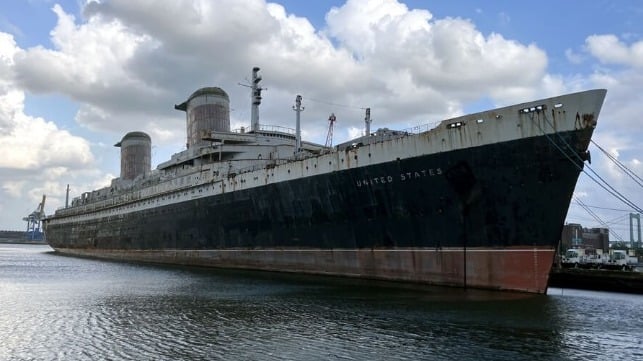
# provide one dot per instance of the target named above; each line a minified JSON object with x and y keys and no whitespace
{"x":34,"y":222}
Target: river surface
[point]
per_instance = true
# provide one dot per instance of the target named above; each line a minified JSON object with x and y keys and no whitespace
{"x":54,"y":307}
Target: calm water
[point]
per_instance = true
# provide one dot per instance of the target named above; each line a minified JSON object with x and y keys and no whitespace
{"x":61,"y":308}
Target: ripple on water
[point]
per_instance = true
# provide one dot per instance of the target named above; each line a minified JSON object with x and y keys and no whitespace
{"x":62,"y":308}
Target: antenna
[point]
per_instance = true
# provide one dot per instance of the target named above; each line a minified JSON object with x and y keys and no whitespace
{"x":329,"y":137}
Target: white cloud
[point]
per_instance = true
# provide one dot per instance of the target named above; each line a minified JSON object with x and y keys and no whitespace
{"x":13,"y":188}
{"x":31,"y":143}
{"x":364,"y":26}
{"x":126,"y":63}
{"x":35,"y":152}
{"x":127,"y":67}
{"x":573,"y":57}
{"x":608,"y":49}
{"x":355,"y":132}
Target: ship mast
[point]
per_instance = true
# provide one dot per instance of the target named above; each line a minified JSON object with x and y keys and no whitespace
{"x":298,"y":109}
{"x":329,"y":137}
{"x":67,"y":197}
{"x":255,"y":99}
{"x":368,"y":121}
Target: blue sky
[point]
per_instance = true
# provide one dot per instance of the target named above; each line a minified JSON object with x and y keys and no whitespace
{"x":77,"y":75}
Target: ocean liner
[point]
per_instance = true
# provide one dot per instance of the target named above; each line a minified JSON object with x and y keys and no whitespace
{"x":476,"y":201}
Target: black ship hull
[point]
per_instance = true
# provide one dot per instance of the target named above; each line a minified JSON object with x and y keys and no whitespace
{"x":488,"y":216}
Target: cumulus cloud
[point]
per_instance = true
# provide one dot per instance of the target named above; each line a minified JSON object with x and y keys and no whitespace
{"x":438,"y":62}
{"x":88,"y":65}
{"x":126,"y":63}
{"x":34,"y":150}
{"x":609,"y":49}
{"x":126,"y":66}
{"x":32,"y":143}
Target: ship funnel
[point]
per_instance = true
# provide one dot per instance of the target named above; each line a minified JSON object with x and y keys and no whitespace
{"x":136,"y":150}
{"x":207,"y":110}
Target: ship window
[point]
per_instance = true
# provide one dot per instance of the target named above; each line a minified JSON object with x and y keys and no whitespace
{"x":536,"y":108}
{"x":480,"y":121}
{"x":558,"y":105}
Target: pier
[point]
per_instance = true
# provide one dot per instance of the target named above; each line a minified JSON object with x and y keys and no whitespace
{"x":597,"y":280}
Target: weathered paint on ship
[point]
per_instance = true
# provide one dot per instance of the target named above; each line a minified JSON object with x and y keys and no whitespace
{"x":479,"y":202}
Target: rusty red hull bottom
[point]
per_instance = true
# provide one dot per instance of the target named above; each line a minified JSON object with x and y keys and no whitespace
{"x":512,"y":269}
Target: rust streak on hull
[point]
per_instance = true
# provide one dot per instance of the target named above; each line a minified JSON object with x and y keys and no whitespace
{"x":498,"y":269}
